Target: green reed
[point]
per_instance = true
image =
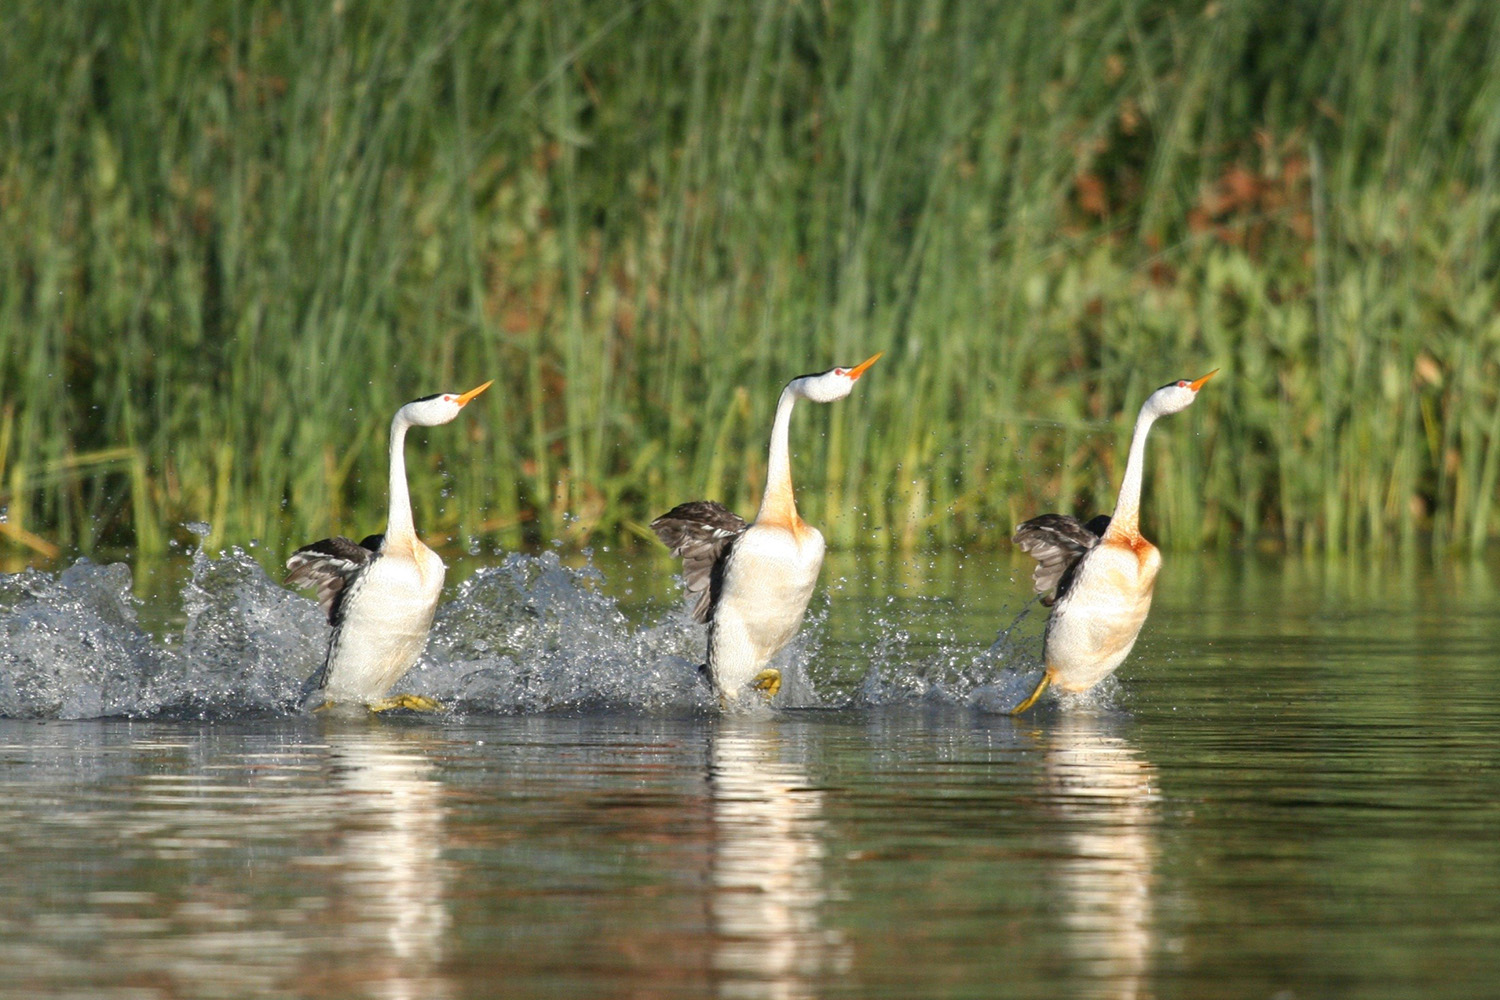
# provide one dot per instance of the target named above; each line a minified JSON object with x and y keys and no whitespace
{"x":237,"y":235}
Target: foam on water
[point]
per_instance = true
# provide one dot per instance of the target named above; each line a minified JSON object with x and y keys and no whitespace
{"x":526,"y":635}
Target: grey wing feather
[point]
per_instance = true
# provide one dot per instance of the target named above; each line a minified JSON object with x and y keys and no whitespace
{"x":702,"y":533}
{"x":1058,"y":543}
{"x":330,"y":565}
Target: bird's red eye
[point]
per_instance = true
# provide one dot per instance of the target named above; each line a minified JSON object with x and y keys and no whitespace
{"x":1181,"y":384}
{"x":841,"y":371}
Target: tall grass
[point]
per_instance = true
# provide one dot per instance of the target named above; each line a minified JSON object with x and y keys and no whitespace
{"x":235,"y":236}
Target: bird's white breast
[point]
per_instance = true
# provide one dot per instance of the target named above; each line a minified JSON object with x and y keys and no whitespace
{"x":769,"y":580}
{"x":385,"y":625}
{"x":1094,"y":627}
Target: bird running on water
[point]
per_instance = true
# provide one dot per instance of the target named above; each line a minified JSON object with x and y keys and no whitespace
{"x":379,"y":594}
{"x":1098,"y":577}
{"x":751,"y":582}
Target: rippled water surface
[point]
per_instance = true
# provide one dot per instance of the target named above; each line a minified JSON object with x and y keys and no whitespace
{"x":1292,"y":790}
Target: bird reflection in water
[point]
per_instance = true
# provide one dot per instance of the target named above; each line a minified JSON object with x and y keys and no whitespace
{"x":768,"y":868}
{"x":1107,"y":804}
{"x":390,"y":853}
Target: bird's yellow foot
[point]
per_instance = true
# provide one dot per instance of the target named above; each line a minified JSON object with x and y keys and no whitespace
{"x":1031,"y":699}
{"x":414,"y":702}
{"x":767,"y":682}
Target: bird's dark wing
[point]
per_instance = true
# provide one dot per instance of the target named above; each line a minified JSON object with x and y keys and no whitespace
{"x":702,"y":533}
{"x":1058,"y":543}
{"x":330,"y":565}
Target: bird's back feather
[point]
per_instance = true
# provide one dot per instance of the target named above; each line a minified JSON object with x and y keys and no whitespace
{"x":1058,"y":543}
{"x":702,"y":533}
{"x":330,"y":565}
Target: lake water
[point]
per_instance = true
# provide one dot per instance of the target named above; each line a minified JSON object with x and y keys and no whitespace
{"x":1292,"y":790}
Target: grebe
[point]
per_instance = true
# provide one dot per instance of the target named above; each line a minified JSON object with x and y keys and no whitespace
{"x":1098,"y":577}
{"x":751,"y":582}
{"x":380,"y":594}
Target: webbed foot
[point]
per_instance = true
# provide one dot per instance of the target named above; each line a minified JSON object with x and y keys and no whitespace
{"x":767,"y":682}
{"x":414,"y":702}
{"x":1031,"y":698}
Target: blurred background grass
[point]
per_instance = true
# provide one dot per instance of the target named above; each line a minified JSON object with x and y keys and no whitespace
{"x":236,"y":235}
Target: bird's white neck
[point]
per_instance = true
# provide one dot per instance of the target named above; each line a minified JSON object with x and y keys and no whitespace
{"x":777,"y":504}
{"x":399,"y":526}
{"x":1126,"y":519}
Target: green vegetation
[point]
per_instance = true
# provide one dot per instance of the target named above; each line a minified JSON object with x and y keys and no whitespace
{"x":236,"y":235}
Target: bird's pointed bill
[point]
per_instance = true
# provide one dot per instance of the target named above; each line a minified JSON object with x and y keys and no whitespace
{"x":859,"y":369}
{"x":1197,"y":384}
{"x":464,"y":399}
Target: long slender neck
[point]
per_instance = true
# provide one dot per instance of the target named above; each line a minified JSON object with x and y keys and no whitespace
{"x":777,"y":504}
{"x":1126,"y":519}
{"x":399,"y":525}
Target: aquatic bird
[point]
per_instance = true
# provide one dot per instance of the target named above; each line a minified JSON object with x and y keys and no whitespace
{"x":1098,"y":576}
{"x":751,"y":582}
{"x":379,"y":594}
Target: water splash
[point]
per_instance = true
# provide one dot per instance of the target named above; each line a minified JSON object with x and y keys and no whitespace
{"x":72,"y":646}
{"x":950,"y":671}
{"x":527,"y":635}
{"x":248,"y":643}
{"x":532,"y":635}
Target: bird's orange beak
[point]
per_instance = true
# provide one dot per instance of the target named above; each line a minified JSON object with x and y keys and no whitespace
{"x":859,"y":369}
{"x":1197,"y":384}
{"x":464,"y":399}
